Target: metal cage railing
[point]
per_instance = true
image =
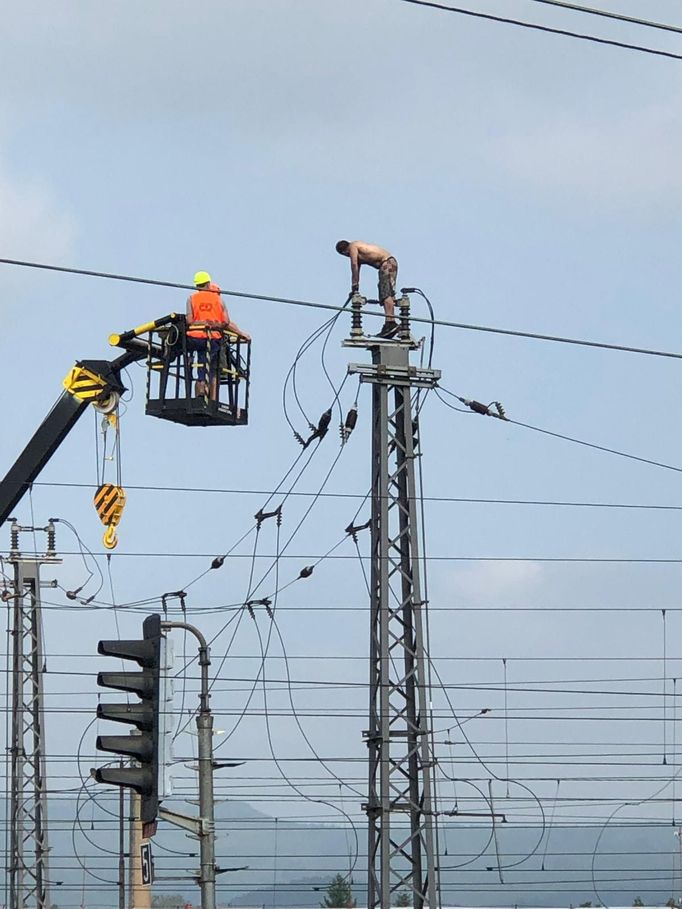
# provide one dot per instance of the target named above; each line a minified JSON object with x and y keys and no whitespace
{"x":174,"y":362}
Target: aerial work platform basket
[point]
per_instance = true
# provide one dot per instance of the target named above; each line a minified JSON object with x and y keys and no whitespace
{"x":174,"y":363}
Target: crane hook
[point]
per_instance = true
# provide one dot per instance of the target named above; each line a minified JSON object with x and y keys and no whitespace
{"x":110,"y":539}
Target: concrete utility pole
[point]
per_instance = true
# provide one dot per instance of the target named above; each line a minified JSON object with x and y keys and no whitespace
{"x":204,"y":826}
{"x":28,"y":853}
{"x":121,"y":849}
{"x":140,"y":896}
{"x":401,"y":853}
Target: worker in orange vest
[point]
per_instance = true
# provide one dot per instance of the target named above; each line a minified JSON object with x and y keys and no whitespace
{"x":207,"y":318}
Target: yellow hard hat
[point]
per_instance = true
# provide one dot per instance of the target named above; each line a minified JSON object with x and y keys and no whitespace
{"x":202,"y":277}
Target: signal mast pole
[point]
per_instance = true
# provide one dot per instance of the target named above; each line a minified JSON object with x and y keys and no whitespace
{"x":400,"y":813}
{"x":28,"y":853}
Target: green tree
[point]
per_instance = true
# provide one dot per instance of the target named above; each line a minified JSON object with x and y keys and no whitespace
{"x":671,"y":903}
{"x":339,"y":894}
{"x":403,"y":899}
{"x":585,"y":905}
{"x":638,"y":901}
{"x":168,"y":901}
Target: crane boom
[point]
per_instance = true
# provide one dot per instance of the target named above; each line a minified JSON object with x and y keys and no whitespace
{"x":170,"y":361}
{"x":61,"y":419}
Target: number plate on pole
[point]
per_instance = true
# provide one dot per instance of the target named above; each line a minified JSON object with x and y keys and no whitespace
{"x":147,"y":863}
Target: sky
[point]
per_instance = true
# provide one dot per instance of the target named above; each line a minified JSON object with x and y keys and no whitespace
{"x":524,"y":181}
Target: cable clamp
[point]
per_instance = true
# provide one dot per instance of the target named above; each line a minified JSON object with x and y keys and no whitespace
{"x":354,"y":529}
{"x":265,"y":602}
{"x":173,"y":595}
{"x":261,"y":516}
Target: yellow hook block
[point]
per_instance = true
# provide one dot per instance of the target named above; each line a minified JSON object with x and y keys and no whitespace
{"x":109,"y":502}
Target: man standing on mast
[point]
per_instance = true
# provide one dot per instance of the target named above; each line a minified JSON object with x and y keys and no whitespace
{"x":386,"y":264}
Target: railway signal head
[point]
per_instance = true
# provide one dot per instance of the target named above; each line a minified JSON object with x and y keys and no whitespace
{"x":147,"y":683}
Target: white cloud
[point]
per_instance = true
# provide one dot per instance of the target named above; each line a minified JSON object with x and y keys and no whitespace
{"x":631,"y":157}
{"x":33,"y":225}
{"x":485,"y":583}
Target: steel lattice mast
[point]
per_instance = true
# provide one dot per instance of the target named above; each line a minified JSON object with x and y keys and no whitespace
{"x":401,"y":826}
{"x":28,"y":852}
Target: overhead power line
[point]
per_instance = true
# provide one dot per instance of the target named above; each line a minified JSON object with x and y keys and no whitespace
{"x":609,"y":560}
{"x":534,"y":26}
{"x":547,"y":432}
{"x":535,"y":336}
{"x":614,"y":451}
{"x":608,"y":14}
{"x":466,"y":500}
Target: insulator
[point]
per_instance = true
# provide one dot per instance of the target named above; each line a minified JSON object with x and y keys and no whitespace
{"x":477,"y":407}
{"x":51,"y":538}
{"x":323,"y":425}
{"x":356,"y":315}
{"x":404,"y":307}
{"x":351,"y":419}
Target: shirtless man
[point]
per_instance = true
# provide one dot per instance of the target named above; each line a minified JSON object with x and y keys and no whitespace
{"x":361,"y":253}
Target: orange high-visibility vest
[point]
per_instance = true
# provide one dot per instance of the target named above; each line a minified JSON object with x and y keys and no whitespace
{"x":207,"y":306}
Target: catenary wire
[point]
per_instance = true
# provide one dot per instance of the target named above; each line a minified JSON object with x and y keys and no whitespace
{"x":251,"y":589}
{"x":609,"y":14}
{"x":294,"y":786}
{"x":565,"y":438}
{"x":534,"y":26}
{"x":584,"y":560}
{"x":314,"y":305}
{"x":466,"y":500}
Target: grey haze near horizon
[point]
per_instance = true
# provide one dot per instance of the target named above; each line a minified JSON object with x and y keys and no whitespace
{"x":522,"y":180}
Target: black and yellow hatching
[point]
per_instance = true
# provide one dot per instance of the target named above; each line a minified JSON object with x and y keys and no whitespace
{"x":109,"y":503}
{"x":84,"y":384}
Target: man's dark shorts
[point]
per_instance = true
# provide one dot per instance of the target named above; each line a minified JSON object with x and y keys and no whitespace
{"x":208,"y":351}
{"x":388,"y":274}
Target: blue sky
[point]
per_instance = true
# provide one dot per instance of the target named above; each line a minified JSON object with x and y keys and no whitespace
{"x":525,"y":181}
